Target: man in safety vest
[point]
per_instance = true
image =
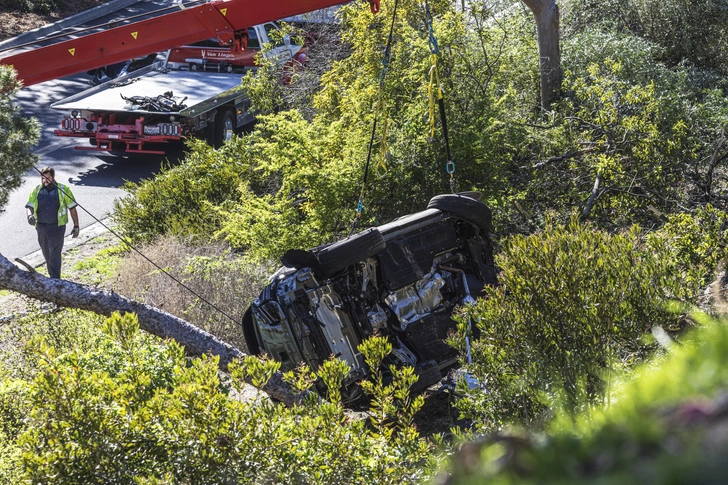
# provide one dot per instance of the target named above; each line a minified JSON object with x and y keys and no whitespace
{"x":48,"y":208}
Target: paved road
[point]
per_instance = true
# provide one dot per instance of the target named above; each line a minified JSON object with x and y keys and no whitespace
{"x":95,"y":178}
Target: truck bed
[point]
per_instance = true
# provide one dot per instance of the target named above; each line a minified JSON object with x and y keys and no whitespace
{"x":204,"y":91}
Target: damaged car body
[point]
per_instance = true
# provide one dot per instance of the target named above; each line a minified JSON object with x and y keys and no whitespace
{"x":401,"y":280}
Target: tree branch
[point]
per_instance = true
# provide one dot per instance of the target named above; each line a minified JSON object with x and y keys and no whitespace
{"x":152,"y":320}
{"x":592,"y":198}
{"x":566,"y":156}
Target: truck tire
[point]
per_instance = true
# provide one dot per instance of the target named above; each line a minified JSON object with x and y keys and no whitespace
{"x":335,"y":257}
{"x":225,"y":122}
{"x":465,"y":208}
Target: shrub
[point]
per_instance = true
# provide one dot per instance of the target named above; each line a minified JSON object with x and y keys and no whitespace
{"x":573,"y":306}
{"x":696,"y":243}
{"x":136,"y":411}
{"x":64,"y":330}
{"x":34,"y":6}
{"x":667,"y":426}
{"x":211,"y":271}
{"x":178,"y":200}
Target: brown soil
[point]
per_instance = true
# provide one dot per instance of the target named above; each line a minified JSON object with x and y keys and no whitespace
{"x":15,"y":23}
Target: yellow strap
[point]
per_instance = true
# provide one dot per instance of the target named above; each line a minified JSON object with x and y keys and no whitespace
{"x":434,"y":84}
{"x":437,"y":76}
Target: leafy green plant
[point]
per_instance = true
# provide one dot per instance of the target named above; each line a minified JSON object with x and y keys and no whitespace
{"x":696,"y":244}
{"x":392,"y":406}
{"x":573,"y":306}
{"x":665,"y":426}
{"x":177,"y":201}
{"x":136,"y":410}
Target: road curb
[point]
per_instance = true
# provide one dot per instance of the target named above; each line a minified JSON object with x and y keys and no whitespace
{"x":35,"y":259}
{"x":77,"y":19}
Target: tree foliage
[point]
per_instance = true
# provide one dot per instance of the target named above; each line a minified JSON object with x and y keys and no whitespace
{"x":666,"y":426}
{"x":135,"y":410}
{"x":572,"y":309}
{"x":18,"y":135}
{"x":678,"y":27}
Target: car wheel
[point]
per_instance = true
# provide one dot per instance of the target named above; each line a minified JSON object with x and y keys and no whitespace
{"x":299,"y":258}
{"x":337,"y":256}
{"x":251,"y":338}
{"x":465,"y":208}
{"x":473,"y":194}
{"x":224,"y":126}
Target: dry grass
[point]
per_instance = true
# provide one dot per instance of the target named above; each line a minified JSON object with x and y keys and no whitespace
{"x":211,"y":271}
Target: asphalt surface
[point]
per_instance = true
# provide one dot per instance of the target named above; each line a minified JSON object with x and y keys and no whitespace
{"x":94,"y":177}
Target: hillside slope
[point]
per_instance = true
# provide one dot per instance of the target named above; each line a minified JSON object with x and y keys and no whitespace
{"x":14,"y":22}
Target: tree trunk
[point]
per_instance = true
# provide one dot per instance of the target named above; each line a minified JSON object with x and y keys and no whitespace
{"x":546,"y":13}
{"x":157,"y":322}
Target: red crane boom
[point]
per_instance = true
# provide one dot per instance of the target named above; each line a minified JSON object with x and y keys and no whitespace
{"x":225,"y":20}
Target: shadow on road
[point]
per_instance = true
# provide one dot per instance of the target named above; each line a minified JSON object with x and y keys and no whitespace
{"x":113,"y":171}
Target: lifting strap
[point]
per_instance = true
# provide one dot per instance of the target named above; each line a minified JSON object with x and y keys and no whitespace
{"x":380,"y":110}
{"x":435,"y":86}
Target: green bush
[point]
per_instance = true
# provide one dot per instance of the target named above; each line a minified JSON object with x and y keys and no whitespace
{"x":178,"y":200}
{"x":667,"y":425}
{"x":697,"y":244}
{"x":135,"y":410}
{"x":64,"y":330}
{"x":572,"y":308}
{"x":682,"y":33}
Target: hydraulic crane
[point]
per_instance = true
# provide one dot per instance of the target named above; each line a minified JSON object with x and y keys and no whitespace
{"x":165,"y":103}
{"x":225,"y":20}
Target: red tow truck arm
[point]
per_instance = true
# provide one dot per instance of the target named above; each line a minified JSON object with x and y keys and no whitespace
{"x":221,"y":19}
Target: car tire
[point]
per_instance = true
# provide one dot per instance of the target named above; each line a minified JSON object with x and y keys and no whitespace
{"x":473,"y":194}
{"x":251,"y":338}
{"x":465,"y":208}
{"x":335,"y":257}
{"x":225,"y":124}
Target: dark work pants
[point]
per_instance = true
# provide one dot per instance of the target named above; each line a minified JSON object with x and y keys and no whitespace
{"x":50,"y":238}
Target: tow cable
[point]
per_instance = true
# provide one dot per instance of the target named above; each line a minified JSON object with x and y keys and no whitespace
{"x":436,"y":86}
{"x":381,"y":166}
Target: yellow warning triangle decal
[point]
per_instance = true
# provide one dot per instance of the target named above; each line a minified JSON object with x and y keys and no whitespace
{"x":135,"y":35}
{"x":223,"y":11}
{"x":72,"y":51}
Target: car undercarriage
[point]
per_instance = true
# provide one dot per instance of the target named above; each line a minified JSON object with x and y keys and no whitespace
{"x":401,"y":280}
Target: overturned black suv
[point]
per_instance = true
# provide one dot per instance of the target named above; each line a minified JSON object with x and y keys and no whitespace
{"x":401,"y":280}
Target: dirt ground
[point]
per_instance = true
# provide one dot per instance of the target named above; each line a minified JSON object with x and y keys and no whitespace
{"x":15,"y":23}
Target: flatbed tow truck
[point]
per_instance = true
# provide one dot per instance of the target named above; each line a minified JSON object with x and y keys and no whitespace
{"x":194,"y":90}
